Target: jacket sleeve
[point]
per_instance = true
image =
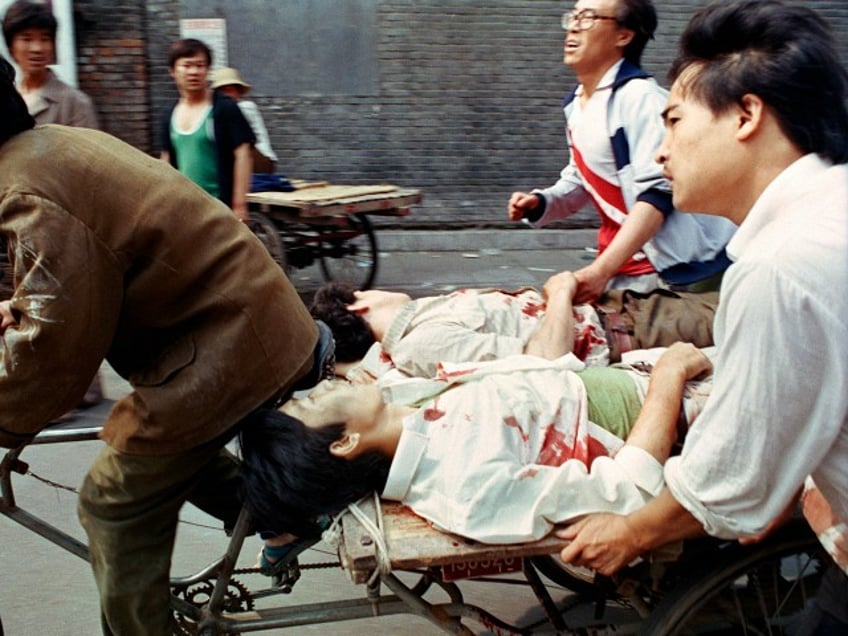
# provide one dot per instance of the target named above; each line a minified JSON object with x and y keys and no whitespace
{"x":419,"y":352}
{"x":518,"y":503}
{"x":66,"y":301}
{"x":564,"y":198}
{"x":641,"y":102}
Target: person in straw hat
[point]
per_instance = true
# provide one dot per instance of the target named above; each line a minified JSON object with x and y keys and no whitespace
{"x":228,"y":81}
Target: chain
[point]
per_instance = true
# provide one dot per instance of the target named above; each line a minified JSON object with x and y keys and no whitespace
{"x":49,"y":482}
{"x":302,"y":566}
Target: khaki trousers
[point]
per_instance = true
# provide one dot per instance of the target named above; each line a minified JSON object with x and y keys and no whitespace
{"x":657,"y":319}
{"x":129,"y":507}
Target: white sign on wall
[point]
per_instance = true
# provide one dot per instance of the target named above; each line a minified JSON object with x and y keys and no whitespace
{"x":212,"y":32}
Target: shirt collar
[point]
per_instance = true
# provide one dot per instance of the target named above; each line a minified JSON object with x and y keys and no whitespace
{"x":409,"y":452}
{"x":398,"y":327}
{"x":608,"y":79}
{"x":53,"y":88}
{"x":795,"y":181}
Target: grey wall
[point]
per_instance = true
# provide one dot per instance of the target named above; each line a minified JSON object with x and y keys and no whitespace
{"x":458,"y":97}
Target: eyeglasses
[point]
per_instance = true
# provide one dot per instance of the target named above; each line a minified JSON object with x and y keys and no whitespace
{"x":585,"y":19}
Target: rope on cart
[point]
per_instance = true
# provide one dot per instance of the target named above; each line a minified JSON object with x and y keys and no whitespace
{"x":332,"y":535}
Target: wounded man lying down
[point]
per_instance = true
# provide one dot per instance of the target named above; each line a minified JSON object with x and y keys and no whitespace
{"x":507,"y":449}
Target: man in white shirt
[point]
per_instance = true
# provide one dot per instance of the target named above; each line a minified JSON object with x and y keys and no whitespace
{"x":760,"y":85}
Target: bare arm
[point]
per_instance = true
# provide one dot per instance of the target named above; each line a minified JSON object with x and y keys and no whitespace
{"x":555,"y":335}
{"x":608,"y":542}
{"x":165,"y":156}
{"x":642,"y":223}
{"x":242,"y":170}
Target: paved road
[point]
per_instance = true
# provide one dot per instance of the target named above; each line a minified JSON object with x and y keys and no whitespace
{"x":47,"y":592}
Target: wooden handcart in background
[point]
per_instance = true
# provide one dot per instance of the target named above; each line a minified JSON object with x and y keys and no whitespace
{"x":327,"y":224}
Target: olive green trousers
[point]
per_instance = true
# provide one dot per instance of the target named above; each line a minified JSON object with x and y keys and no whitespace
{"x":129,"y":506}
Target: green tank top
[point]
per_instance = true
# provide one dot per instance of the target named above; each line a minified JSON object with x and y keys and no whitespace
{"x":196,"y":154}
{"x":613,"y":399}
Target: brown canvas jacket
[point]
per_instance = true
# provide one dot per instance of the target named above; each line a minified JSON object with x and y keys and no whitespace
{"x":117,"y":255}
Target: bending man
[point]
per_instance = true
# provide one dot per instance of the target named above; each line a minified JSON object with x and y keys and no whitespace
{"x":117,"y":255}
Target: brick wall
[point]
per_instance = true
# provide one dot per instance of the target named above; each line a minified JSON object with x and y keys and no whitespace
{"x":113,"y":66}
{"x":468,"y":106}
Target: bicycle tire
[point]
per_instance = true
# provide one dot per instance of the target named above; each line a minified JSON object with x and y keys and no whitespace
{"x":349,"y":255}
{"x":744,"y":589}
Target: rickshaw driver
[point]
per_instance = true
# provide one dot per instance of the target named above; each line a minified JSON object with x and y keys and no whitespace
{"x":117,"y":255}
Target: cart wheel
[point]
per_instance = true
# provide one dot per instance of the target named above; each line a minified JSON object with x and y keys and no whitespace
{"x":269,"y":236}
{"x":349,"y":253}
{"x":576,"y":579}
{"x":757,"y":589}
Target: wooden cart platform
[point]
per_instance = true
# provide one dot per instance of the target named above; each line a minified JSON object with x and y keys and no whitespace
{"x":328,"y":224}
{"x":413,"y":543}
{"x":315,"y":199}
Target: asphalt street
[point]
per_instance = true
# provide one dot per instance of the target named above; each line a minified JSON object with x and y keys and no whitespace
{"x":46,"y":591}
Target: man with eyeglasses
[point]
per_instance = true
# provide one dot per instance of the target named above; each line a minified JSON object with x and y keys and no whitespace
{"x":614,"y":127}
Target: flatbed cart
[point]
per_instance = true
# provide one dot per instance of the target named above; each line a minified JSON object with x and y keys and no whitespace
{"x":404,"y":566}
{"x":328,"y":224}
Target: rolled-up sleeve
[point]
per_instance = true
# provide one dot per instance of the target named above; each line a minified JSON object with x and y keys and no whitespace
{"x":759,"y":437}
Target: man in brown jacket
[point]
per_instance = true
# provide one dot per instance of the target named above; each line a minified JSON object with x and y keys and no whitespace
{"x":118,"y":256}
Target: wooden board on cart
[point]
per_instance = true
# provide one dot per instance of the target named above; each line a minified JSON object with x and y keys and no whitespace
{"x":413,"y":543}
{"x":317,"y":199}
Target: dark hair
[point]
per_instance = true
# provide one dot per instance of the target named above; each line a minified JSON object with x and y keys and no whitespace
{"x":640,"y":17}
{"x":24,"y":14}
{"x":188,"y":47}
{"x":290,"y":478}
{"x":14,"y":116}
{"x":785,"y":55}
{"x":352,"y":334}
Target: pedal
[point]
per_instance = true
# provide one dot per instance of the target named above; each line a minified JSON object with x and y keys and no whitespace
{"x":286,"y":576}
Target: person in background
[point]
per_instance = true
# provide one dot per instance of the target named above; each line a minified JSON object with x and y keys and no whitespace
{"x":118,"y":256}
{"x":614,"y":128}
{"x":229,"y":82}
{"x":29,"y":29}
{"x":205,"y":135}
{"x":759,"y":84}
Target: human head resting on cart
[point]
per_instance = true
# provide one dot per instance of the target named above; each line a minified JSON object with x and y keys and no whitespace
{"x":356,"y":318}
{"x":291,"y":478}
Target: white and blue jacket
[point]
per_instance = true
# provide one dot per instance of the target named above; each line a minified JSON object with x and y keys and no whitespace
{"x":687,"y":247}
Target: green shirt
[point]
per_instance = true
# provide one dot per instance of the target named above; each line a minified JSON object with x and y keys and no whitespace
{"x":196,"y":156}
{"x":613,"y":399}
